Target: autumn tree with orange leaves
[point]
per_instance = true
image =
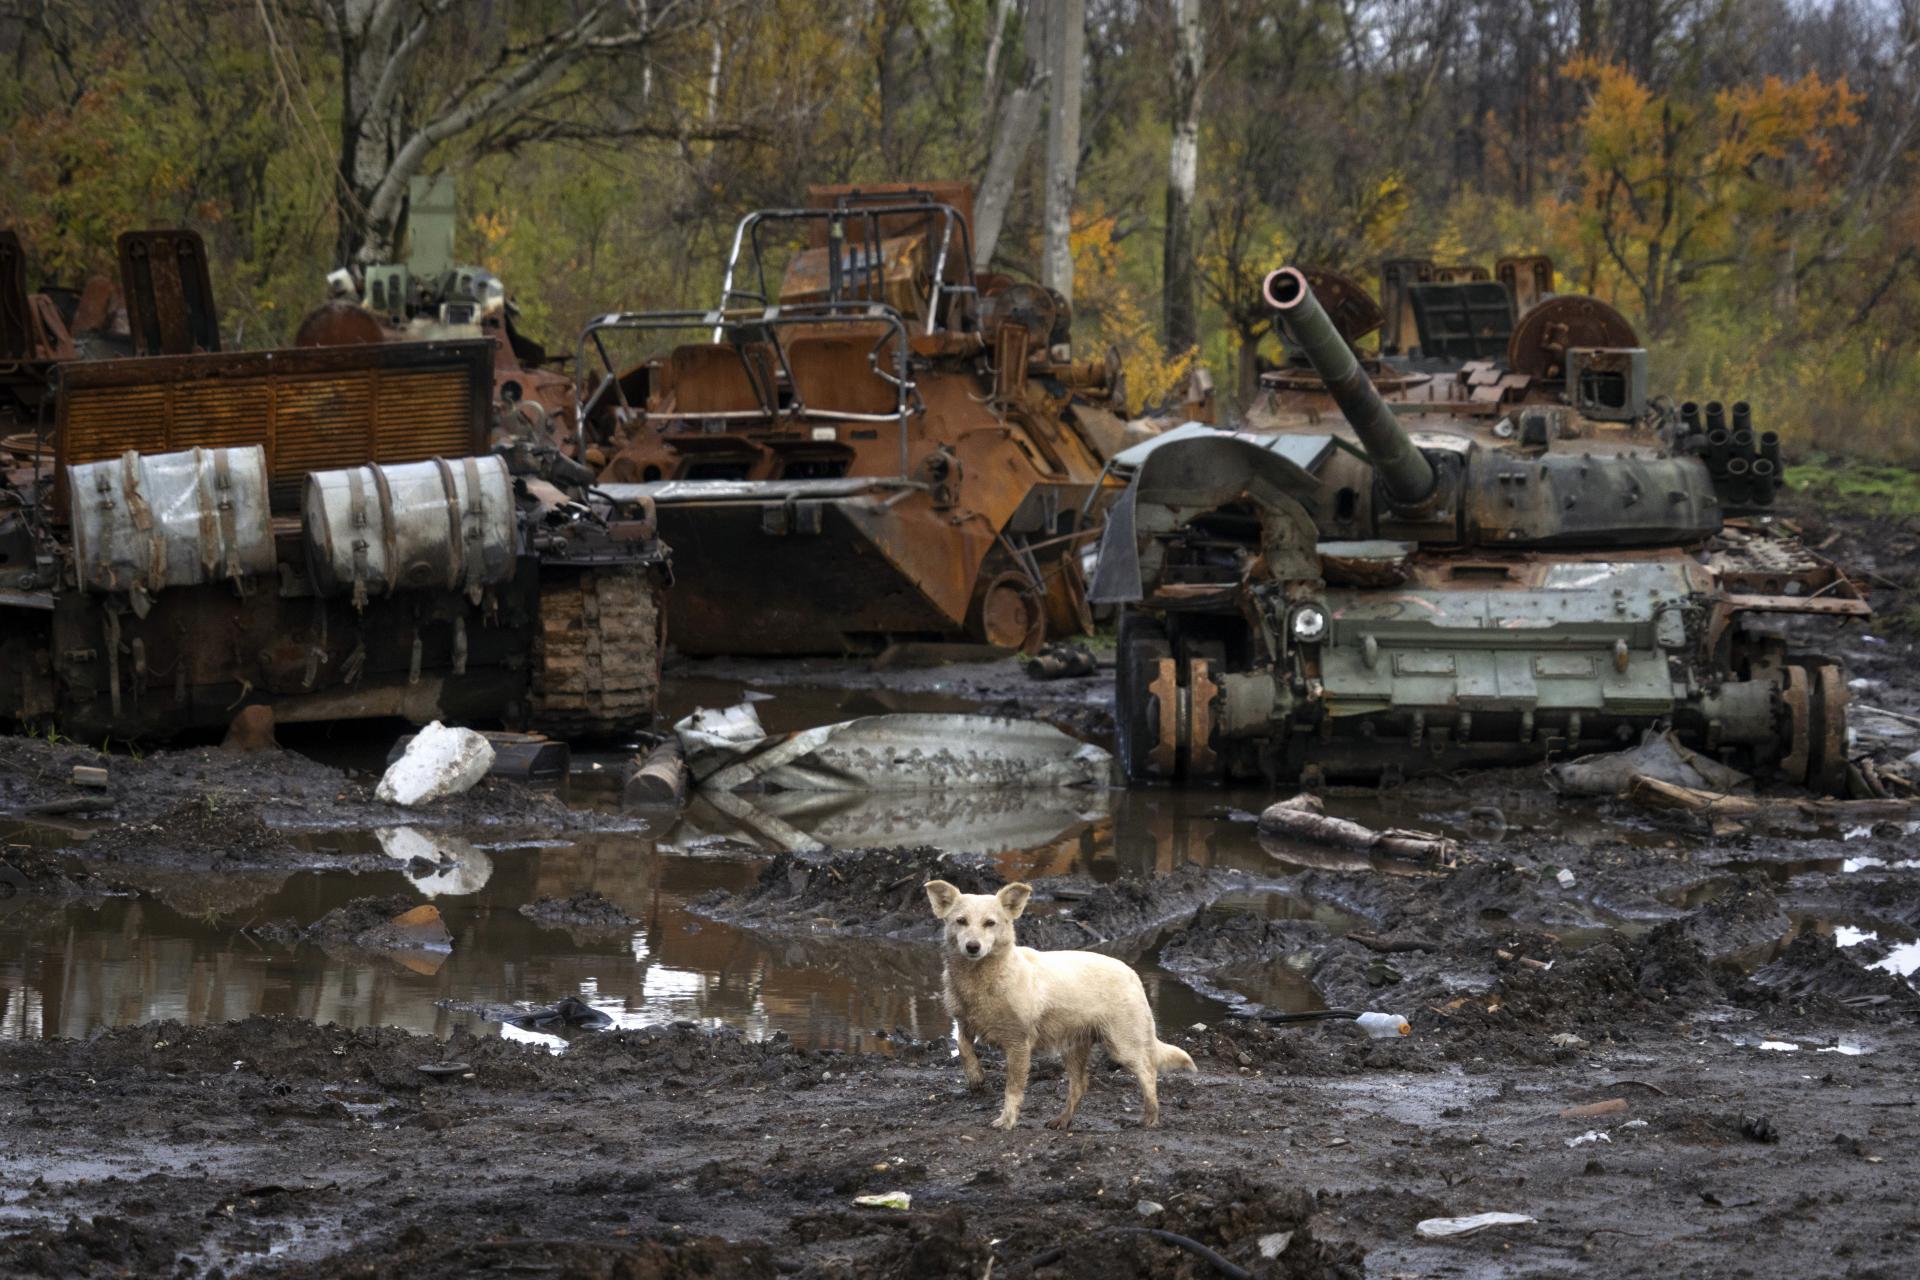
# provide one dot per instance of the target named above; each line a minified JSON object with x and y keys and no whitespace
{"x":1673,"y":187}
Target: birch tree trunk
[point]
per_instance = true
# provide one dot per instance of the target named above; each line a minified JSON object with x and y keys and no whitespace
{"x":1019,"y":120}
{"x":1183,"y":170}
{"x":1066,"y":47}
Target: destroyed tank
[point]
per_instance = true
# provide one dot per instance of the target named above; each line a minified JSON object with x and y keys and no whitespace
{"x":329,"y":531}
{"x":1452,"y":559}
{"x":868,"y":445}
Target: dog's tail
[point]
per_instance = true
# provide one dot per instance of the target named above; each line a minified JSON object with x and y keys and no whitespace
{"x":1168,"y":1057}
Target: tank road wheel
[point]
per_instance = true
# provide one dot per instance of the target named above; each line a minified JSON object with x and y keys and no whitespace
{"x":597,"y":652}
{"x":1827,"y":761}
{"x":1143,"y":699}
{"x":1815,"y":699}
{"x":1008,"y":613}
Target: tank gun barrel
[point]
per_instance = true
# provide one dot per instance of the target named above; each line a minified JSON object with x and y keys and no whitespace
{"x":1404,"y":470}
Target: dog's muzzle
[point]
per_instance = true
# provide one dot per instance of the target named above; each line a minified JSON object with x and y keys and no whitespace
{"x":973,"y":948}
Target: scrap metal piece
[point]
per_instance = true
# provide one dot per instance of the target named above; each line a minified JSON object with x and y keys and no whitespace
{"x":904,"y":752}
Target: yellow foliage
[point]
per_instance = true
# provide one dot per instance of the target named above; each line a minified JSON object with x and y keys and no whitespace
{"x":1108,"y":312}
{"x":1671,"y":182}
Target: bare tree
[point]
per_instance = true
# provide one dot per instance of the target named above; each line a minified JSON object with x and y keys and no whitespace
{"x":1018,"y":120}
{"x":1183,"y":172}
{"x":387,"y":131}
{"x":1066,"y":49}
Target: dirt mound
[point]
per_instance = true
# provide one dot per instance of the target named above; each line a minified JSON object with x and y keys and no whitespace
{"x":1121,"y":911}
{"x":1226,"y":939}
{"x":1226,"y":1213}
{"x":868,"y":892}
{"x":101,"y":1245}
{"x":1597,"y":993}
{"x":1744,"y":915}
{"x":26,"y":870}
{"x":939,"y":1246}
{"x":283,"y":789}
{"x":879,"y":893}
{"x":284,"y":1049}
{"x":1457,"y":906}
{"x":586,"y":912}
{"x":456,"y":1250}
{"x":1812,"y":971}
{"x":205,"y":833}
{"x":392,"y":923}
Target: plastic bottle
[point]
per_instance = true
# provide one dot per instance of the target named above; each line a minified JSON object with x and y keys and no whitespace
{"x":1383,"y":1026}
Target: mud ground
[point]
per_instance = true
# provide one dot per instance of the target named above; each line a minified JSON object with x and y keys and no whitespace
{"x":1677,"y":1052}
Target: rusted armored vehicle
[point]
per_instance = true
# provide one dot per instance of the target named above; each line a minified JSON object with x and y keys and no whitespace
{"x":326,"y":530}
{"x":1494,"y":548}
{"x":864,"y":441}
{"x":433,"y":297}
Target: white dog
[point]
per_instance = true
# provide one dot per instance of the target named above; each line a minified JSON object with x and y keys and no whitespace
{"x":1022,"y":1000}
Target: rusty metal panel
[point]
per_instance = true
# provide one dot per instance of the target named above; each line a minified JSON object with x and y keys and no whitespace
{"x":169,"y":292}
{"x":311,"y":409}
{"x":959,"y":195}
{"x":1528,"y":277}
{"x":831,"y":374}
{"x":899,"y":276}
{"x":727,"y":379}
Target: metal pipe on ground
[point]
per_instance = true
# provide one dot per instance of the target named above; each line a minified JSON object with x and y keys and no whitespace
{"x":660,"y":783}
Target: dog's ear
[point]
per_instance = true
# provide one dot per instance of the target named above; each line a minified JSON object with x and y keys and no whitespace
{"x":942,"y":897}
{"x":1013,"y":898}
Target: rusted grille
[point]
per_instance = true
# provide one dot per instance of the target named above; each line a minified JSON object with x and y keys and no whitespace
{"x":312,"y":409}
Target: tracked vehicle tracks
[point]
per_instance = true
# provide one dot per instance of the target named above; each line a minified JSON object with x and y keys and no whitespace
{"x":597,"y":652}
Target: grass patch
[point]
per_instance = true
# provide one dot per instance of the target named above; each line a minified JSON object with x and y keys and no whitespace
{"x":1868,"y":488}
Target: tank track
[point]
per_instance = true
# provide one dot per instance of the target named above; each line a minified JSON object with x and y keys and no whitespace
{"x":597,"y":652}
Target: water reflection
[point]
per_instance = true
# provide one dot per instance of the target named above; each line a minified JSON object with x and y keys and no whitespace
{"x":186,"y":951}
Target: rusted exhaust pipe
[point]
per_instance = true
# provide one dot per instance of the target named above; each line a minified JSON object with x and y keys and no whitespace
{"x":1404,"y":470}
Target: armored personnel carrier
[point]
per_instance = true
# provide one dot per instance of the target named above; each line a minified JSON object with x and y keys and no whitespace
{"x":863,"y":441}
{"x":1495,"y":548}
{"x":327,"y":530}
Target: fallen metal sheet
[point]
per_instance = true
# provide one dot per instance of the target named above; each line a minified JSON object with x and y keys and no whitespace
{"x":990,"y":820}
{"x":1660,"y":755}
{"x":905,"y":752}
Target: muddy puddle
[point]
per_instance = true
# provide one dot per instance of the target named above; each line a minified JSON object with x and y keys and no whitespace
{"x":209,"y":948}
{"x":203,"y":949}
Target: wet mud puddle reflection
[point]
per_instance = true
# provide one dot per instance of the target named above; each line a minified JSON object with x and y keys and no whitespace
{"x":205,"y":950}
{"x":208,"y":950}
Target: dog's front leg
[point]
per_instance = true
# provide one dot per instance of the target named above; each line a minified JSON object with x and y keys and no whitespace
{"x":1019,"y":1057}
{"x":969,"y":1060}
